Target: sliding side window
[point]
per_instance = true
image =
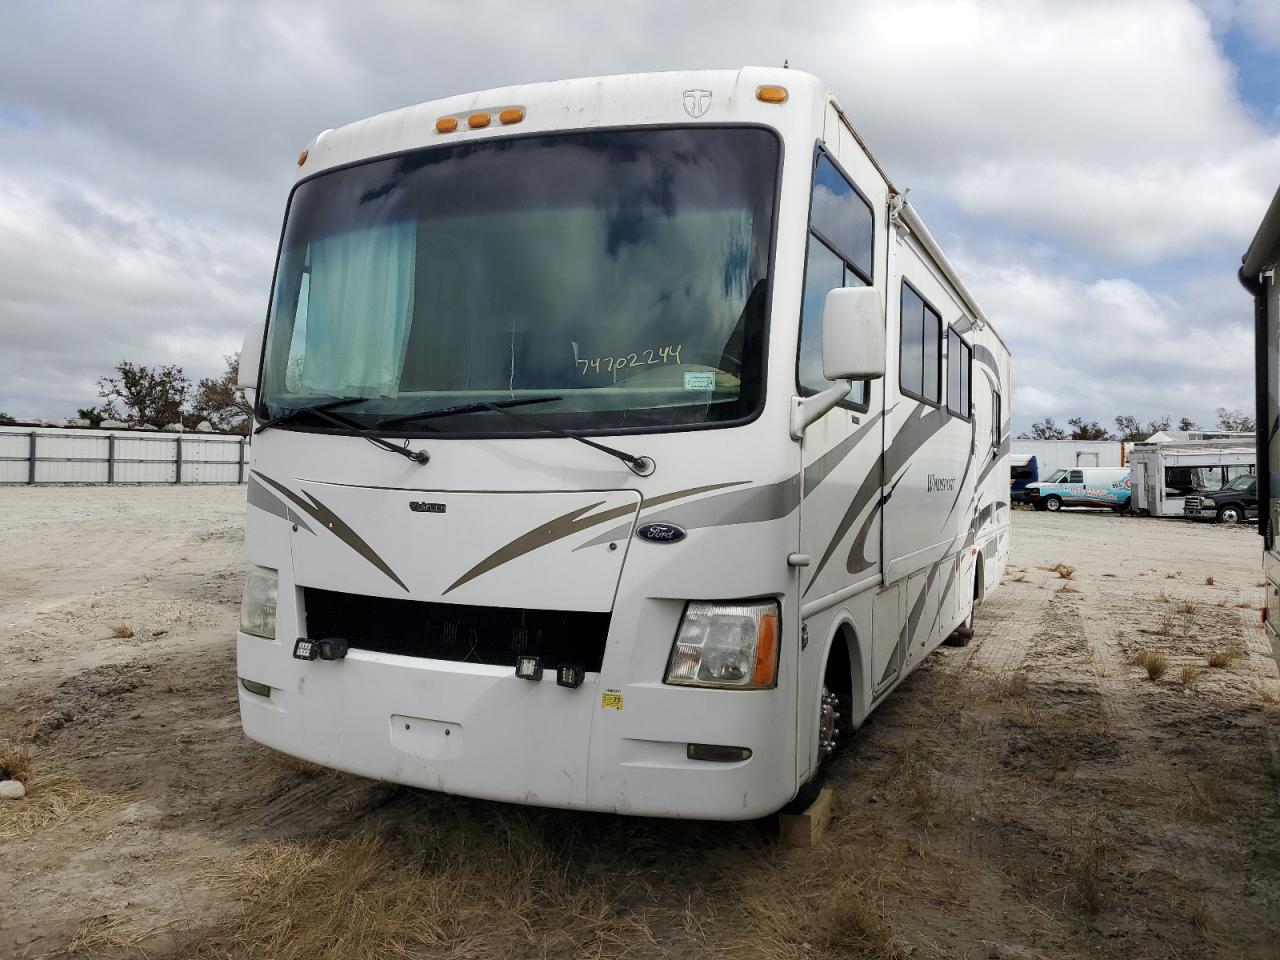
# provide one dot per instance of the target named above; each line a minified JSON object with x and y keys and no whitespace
{"x":841,"y":231}
{"x":959,"y":369}
{"x":920,"y":352}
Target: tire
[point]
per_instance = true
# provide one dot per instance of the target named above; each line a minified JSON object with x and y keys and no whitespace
{"x":1053,"y":503}
{"x":962,"y":635}
{"x":1230,"y":514}
{"x":1039,"y":505}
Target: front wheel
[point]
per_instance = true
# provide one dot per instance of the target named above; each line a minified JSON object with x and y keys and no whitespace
{"x":1053,"y":503}
{"x":1229,"y":515}
{"x":1039,"y":505}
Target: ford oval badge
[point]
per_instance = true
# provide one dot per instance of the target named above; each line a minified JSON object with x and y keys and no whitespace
{"x":661,"y":533}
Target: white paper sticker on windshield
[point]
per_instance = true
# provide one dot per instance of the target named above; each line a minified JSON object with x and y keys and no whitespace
{"x":700,"y":380}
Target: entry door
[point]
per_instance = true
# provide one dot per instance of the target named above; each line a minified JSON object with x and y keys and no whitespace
{"x":1073,"y":486}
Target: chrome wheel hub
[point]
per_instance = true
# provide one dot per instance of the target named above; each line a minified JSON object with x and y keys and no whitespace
{"x":827,"y":723}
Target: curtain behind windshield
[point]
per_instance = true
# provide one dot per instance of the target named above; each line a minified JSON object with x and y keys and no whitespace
{"x":353,"y":325}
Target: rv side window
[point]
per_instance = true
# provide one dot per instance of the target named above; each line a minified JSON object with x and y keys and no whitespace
{"x":841,"y":232}
{"x":920,"y":350}
{"x":995,"y":419}
{"x":959,"y":363}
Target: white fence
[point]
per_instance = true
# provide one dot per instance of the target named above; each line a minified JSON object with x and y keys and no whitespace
{"x":47,"y":455}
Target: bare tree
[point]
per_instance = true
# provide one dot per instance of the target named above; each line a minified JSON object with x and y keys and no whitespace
{"x":1129,"y":427}
{"x":1234,"y":420}
{"x":147,"y":396}
{"x":1045,"y":429}
{"x":1186,"y":423}
{"x":222,"y":403}
{"x":1087,"y":430}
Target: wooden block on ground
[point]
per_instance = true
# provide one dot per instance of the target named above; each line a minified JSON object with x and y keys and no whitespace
{"x":806,"y":828}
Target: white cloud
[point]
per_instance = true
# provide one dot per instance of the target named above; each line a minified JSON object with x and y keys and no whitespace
{"x":141,"y":194}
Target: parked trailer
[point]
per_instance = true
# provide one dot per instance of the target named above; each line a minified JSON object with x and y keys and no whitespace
{"x":1165,"y":475}
{"x":1054,"y":455}
{"x":669,"y":444}
{"x":1258,"y":275}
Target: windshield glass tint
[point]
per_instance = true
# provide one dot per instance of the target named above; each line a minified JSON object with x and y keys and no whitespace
{"x":624,"y":272}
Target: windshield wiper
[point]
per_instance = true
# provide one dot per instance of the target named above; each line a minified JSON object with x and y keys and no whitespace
{"x":462,"y":408}
{"x":321,"y":410}
{"x":640,"y":466}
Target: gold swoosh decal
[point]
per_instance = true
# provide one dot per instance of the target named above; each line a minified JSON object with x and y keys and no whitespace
{"x":562,"y":526}
{"x":337,"y":527}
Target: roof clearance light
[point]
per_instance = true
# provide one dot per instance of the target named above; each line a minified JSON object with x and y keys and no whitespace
{"x":446,"y":125}
{"x":302,"y":157}
{"x":771,"y":94}
{"x":512,"y":115}
{"x":477,"y":120}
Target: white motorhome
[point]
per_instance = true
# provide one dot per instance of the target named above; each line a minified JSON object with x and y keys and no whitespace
{"x":624,"y":443}
{"x":1165,"y":475}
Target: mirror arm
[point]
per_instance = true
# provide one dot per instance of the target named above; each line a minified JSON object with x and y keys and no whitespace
{"x":805,"y":410}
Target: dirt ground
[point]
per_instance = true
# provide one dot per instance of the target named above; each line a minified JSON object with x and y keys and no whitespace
{"x":1079,"y":782}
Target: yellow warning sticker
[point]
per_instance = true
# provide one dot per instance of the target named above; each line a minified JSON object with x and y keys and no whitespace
{"x":611,"y":700}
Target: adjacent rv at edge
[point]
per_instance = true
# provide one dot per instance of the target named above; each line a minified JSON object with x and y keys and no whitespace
{"x":624,"y":442}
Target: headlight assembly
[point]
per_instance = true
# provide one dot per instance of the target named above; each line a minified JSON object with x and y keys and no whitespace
{"x":258,"y":607}
{"x":728,"y":645}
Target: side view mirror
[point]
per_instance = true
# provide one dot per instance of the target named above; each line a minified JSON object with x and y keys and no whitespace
{"x":853,"y":334}
{"x":852,"y":349}
{"x":250,"y":356}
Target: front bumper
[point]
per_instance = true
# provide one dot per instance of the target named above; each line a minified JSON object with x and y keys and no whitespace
{"x":477,"y":730}
{"x":1205,"y":511}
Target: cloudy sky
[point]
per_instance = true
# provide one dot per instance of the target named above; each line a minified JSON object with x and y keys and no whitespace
{"x":1095,"y":169}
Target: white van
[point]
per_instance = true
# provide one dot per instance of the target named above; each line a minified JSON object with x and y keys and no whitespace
{"x":624,"y":443}
{"x":1083,"y":487}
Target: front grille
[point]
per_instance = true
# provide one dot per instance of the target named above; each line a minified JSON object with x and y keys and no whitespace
{"x":1190,"y":503}
{"x":449,"y":631}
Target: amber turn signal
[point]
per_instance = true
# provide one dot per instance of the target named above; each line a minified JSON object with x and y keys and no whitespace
{"x":477,"y":120}
{"x":446,"y":125}
{"x":771,"y":94}
{"x":512,"y":115}
{"x":302,"y":158}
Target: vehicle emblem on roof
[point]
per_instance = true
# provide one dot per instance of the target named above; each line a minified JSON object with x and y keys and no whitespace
{"x":697,"y":102}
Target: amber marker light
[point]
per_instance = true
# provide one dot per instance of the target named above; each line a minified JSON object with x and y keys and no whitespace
{"x":766,"y":670}
{"x":512,"y":115}
{"x":446,"y":125}
{"x":302,"y":158}
{"x":478,"y":120}
{"x":771,"y":94}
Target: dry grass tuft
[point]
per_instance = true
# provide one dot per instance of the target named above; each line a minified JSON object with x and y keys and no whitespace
{"x":1063,"y":570}
{"x":1088,"y":877}
{"x":423,"y":889}
{"x":1167,"y":625}
{"x":113,"y":933}
{"x":1163,"y":596}
{"x":51,"y":799}
{"x":1208,"y":581}
{"x":1188,"y":675}
{"x":121,"y":631}
{"x":1208,"y":801}
{"x":1153,"y":661}
{"x":1007,"y":687}
{"x":1187,"y":608}
{"x":1067,"y":588}
{"x":1221,"y":659}
{"x":15,"y":760}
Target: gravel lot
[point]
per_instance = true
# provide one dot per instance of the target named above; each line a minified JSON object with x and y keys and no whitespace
{"x":1036,"y":794}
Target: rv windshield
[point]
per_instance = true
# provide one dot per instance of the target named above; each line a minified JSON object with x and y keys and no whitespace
{"x":621,"y":275}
